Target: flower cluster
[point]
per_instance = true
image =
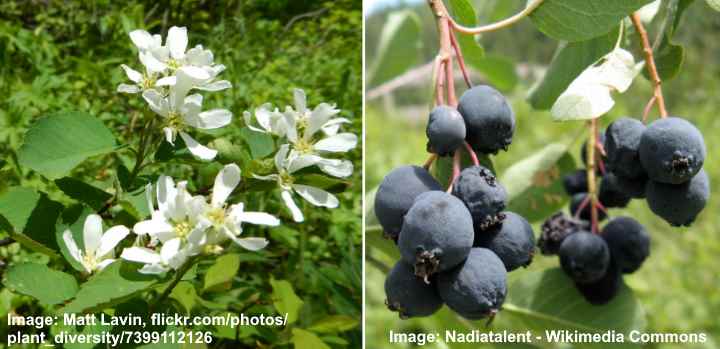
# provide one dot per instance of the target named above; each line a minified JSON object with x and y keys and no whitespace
{"x":312,"y":136}
{"x":170,"y":73}
{"x":182,"y":226}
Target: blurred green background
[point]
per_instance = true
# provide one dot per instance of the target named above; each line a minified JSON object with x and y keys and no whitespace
{"x":677,"y":285}
{"x":66,"y":55}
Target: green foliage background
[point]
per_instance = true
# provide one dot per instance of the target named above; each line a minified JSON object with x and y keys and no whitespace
{"x":677,"y":285}
{"x":66,"y":55}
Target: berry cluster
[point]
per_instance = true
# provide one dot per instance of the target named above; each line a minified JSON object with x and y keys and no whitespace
{"x":661,"y":163}
{"x":456,"y":246}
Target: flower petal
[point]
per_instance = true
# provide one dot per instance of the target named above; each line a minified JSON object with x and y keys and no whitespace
{"x":152,"y":64}
{"x":252,"y":244}
{"x":336,"y":168}
{"x":153,"y":269}
{"x":72,"y":246}
{"x":156,"y":102}
{"x":125,"y":88}
{"x":169,"y":135}
{"x":142,"y":39}
{"x":338,"y":143}
{"x":302,"y":161}
{"x":141,"y":255}
{"x":132,"y":74}
{"x":316,"y":196}
{"x":259,"y":218}
{"x":333,"y":126}
{"x":166,"y":192}
{"x":152,"y":227}
{"x":216,"y":86}
{"x":296,"y":213}
{"x":197,"y":149}
{"x":104,"y":263}
{"x":225,"y":182}
{"x":281,"y":157}
{"x":110,"y":239}
{"x":169,"y":249}
{"x":177,"y":41}
{"x":166,"y":81}
{"x":319,"y":117}
{"x":300,"y":100}
{"x":214,"y":118}
{"x":92,"y":233}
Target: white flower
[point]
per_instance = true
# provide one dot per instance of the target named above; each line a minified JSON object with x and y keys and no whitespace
{"x":300,"y":126}
{"x":98,"y":246}
{"x":169,"y":58}
{"x":178,"y":218}
{"x":286,"y":166}
{"x":227,"y":221}
{"x":181,"y":112}
{"x":170,"y":257}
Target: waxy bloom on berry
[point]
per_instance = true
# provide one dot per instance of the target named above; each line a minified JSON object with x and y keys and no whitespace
{"x":98,"y":251}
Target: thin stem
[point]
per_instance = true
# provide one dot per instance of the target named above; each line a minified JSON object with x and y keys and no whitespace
{"x":592,"y":190}
{"x":497,"y":25}
{"x":455,"y":171}
{"x":460,"y":59}
{"x":440,"y":83}
{"x":446,"y":52}
{"x":437,"y":64}
{"x":179,"y":274}
{"x":472,"y":153}
{"x":650,"y":62}
{"x":649,"y":106}
{"x":430,"y":161}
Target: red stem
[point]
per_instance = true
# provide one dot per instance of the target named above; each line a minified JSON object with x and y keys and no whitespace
{"x":430,"y":161}
{"x":455,"y":171}
{"x":472,"y":153}
{"x":460,"y":59}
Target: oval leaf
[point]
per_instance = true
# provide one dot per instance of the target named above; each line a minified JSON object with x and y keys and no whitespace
{"x":578,"y":20}
{"x":570,"y":60}
{"x":116,"y":283}
{"x":222,"y":271}
{"x":548,"y":300}
{"x":307,"y":340}
{"x":30,"y":218}
{"x":56,"y":144}
{"x":534,"y":184}
{"x":36,"y":280}
{"x":398,"y":49}
{"x":285,"y":300}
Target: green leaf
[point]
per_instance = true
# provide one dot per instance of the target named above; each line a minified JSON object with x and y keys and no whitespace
{"x":285,"y":300}
{"x":38,"y":281}
{"x":570,"y":60}
{"x":56,"y":144}
{"x":184,"y":293}
{"x":30,"y":218}
{"x":464,"y":13}
{"x":668,"y":60}
{"x":398,"y":48}
{"x":83,"y":192}
{"x":534,"y":184}
{"x":136,"y":203}
{"x":222,"y":272}
{"x":119,"y":281}
{"x":335,"y":323}
{"x":307,"y":340}
{"x":322,"y":181}
{"x":498,"y":70}
{"x":260,"y":144}
{"x":549,"y":300}
{"x":578,"y":20}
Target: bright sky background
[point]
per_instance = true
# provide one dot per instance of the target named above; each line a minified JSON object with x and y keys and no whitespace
{"x":371,"y":6}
